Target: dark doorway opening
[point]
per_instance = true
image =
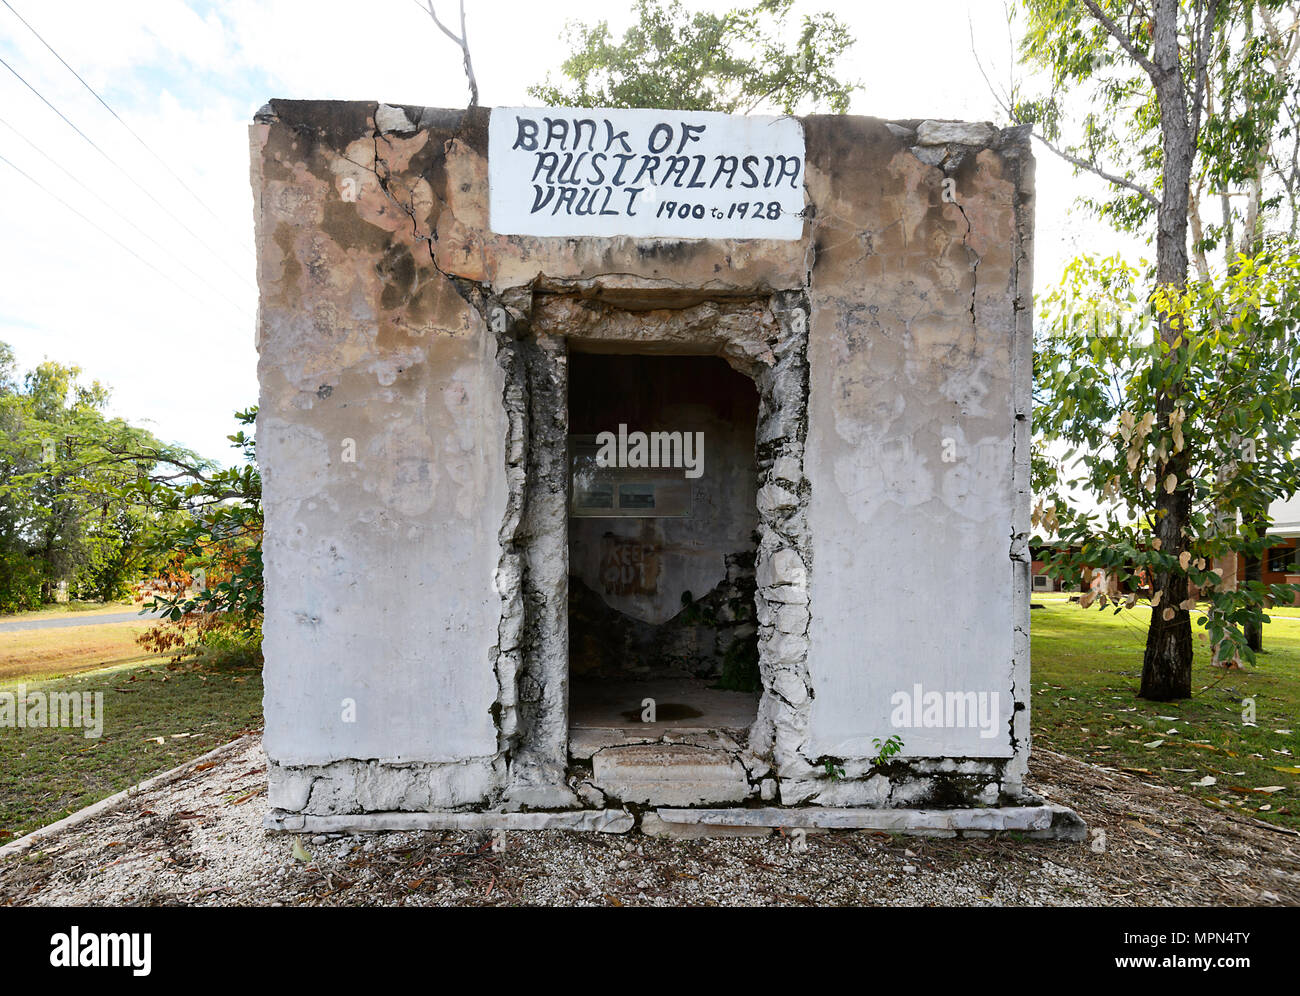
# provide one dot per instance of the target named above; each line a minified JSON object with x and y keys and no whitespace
{"x":662,"y":539}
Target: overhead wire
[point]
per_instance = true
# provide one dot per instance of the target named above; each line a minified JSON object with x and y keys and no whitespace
{"x":216,"y":255}
{"x":94,"y":93}
{"x":121,"y":215}
{"x":109,"y":235}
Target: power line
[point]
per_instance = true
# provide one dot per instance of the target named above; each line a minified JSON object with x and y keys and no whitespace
{"x":81,"y":183}
{"x":31,"y":179}
{"x":216,"y":255}
{"x":162,"y":162}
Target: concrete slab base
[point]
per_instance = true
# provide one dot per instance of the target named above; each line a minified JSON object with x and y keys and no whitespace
{"x":671,"y":774}
{"x":592,"y":820}
{"x":653,"y":826}
{"x":1047,"y":822}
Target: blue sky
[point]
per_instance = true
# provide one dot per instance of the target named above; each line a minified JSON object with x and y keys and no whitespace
{"x":189,"y":76}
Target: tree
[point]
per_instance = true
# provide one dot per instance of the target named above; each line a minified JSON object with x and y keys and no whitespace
{"x":1172,"y":95}
{"x":1235,"y":423}
{"x":734,"y":62}
{"x":103,"y":505}
{"x":20,"y":578}
{"x":1253,"y":141}
{"x":62,"y":463}
{"x":212,"y":581}
{"x":462,"y":41}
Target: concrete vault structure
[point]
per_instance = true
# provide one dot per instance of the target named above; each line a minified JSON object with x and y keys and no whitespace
{"x":485,"y":608}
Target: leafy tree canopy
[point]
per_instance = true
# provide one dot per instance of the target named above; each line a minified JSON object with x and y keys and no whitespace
{"x":737,"y":62}
{"x":1171,"y":384}
{"x":63,"y":465}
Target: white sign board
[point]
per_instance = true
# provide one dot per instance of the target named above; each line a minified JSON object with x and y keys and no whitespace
{"x":556,"y":171}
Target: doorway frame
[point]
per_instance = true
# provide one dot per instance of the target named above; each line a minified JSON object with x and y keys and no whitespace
{"x":764,"y":338}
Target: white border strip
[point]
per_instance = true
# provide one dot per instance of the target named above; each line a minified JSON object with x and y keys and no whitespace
{"x":116,"y":800}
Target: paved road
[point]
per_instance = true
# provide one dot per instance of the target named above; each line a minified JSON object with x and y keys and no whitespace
{"x":57,"y":623}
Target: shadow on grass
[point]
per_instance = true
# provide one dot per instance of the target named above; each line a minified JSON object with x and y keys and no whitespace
{"x":153,"y":719}
{"x":1086,"y":668}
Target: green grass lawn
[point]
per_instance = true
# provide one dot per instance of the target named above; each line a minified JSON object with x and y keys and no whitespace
{"x":1086,"y":669}
{"x":1285,"y":611}
{"x":153,"y":720}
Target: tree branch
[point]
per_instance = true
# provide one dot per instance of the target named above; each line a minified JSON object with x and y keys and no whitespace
{"x":1202,"y":67}
{"x":1125,"y":40}
{"x":1091,"y":167}
{"x":462,"y":40}
{"x":1004,"y":101}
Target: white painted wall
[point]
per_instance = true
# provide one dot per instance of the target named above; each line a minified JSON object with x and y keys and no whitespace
{"x":379,"y":573}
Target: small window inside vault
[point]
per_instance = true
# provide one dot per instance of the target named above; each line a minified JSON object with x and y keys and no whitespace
{"x":662,"y":538}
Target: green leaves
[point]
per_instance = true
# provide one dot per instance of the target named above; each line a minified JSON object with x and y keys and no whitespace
{"x":100,"y":504}
{"x":214,"y":533}
{"x":63,"y":465}
{"x":1229,"y":414}
{"x":736,"y":61}
{"x":1241,"y":99}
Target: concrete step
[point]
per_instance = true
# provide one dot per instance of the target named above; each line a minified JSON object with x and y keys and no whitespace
{"x":583,"y":743}
{"x":669,"y":775}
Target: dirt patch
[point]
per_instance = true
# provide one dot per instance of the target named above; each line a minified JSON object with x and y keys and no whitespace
{"x":35,"y":654}
{"x":667,"y":712}
{"x":199,"y":841}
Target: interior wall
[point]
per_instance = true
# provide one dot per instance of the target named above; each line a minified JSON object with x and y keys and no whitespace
{"x":630,"y":578}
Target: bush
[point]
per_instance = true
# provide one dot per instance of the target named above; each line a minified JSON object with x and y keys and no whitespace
{"x":20,"y":583}
{"x":230,"y":646}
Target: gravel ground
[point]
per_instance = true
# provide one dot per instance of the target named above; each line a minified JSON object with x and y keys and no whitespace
{"x":198,"y":841}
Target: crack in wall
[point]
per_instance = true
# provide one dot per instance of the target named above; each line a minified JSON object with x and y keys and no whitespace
{"x":784,"y":561}
{"x":975,"y":264}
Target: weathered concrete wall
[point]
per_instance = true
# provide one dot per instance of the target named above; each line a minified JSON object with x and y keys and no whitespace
{"x":381,"y":430}
{"x":918,"y":428}
{"x":426,"y":581}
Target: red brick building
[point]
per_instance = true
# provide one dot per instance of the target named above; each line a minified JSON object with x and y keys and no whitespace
{"x":1281,"y":564}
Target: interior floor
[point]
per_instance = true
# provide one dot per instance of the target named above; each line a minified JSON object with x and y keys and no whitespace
{"x":681,"y":704}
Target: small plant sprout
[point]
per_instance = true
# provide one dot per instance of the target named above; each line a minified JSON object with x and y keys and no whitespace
{"x":885,"y":751}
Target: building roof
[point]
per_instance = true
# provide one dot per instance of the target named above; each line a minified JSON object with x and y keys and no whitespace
{"x":1286,"y":517}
